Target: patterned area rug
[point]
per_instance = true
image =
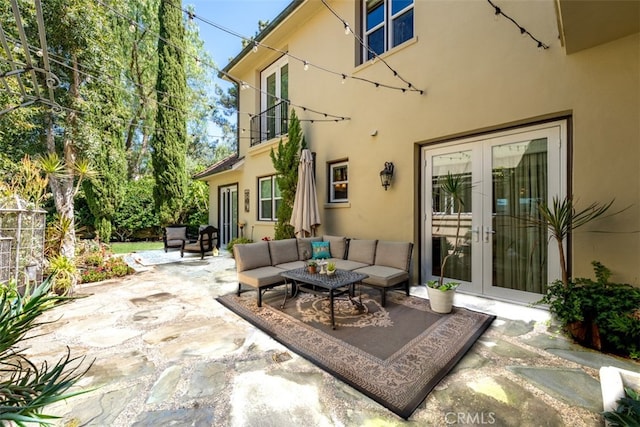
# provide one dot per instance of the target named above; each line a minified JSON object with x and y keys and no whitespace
{"x":395,"y":354}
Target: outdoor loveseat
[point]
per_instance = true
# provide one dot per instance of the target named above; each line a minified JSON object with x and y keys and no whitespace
{"x":387,"y":263}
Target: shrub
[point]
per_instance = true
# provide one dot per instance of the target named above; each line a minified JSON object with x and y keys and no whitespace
{"x":114,"y":266}
{"x":598,"y":313}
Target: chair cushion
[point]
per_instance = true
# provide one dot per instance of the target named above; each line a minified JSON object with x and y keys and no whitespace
{"x":176,"y":233}
{"x":251,"y":255}
{"x":304,"y":247}
{"x":320,"y":250}
{"x":176,"y":243}
{"x":382,"y":276}
{"x":394,"y":254}
{"x":282,"y":251}
{"x":362,"y":251}
{"x":337,"y":245}
{"x":259,"y":277}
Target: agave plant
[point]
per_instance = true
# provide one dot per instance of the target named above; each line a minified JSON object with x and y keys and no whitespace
{"x":26,"y":388}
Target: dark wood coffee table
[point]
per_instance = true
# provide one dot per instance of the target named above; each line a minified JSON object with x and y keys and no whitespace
{"x":340,"y":283}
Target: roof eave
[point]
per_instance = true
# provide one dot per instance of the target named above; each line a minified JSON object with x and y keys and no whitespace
{"x":261,"y":36}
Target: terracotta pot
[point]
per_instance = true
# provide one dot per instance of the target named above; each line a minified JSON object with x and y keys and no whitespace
{"x":441,"y":301}
{"x":312,"y":269}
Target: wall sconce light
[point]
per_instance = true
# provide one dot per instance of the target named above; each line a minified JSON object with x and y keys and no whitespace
{"x":386,"y":174}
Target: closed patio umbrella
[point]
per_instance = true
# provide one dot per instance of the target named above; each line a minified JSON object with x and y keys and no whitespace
{"x":305,"y":216}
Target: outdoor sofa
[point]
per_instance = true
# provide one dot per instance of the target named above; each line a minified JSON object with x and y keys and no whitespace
{"x":386,"y":263}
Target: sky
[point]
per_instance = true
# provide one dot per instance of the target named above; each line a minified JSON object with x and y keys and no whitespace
{"x":240,"y":16}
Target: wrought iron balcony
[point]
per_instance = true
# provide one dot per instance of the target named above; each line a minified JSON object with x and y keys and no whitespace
{"x":270,"y":123}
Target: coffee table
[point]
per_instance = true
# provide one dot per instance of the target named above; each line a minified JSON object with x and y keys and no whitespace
{"x":343,"y":281}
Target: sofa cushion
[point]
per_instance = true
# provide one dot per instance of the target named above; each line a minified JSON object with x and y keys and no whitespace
{"x":363,"y":251}
{"x":394,"y":254}
{"x":337,"y":244}
{"x":282,"y":251}
{"x":261,"y":276}
{"x":251,"y":255}
{"x":382,"y":276}
{"x":176,"y":233}
{"x":291,"y":265}
{"x":345,"y":264}
{"x":304,"y":247}
{"x":320,"y":250}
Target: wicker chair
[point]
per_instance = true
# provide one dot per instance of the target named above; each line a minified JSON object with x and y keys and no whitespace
{"x":205,"y":243}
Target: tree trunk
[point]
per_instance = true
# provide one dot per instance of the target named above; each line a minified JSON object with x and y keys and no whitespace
{"x":62,"y":186}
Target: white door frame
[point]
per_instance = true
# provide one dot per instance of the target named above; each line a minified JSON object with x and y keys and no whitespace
{"x":482,"y":237}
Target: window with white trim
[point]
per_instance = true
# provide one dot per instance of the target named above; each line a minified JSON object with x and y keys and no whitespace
{"x":269,"y":198}
{"x":339,"y":182}
{"x":387,"y":23}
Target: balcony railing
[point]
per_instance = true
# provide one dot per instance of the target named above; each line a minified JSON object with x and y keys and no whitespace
{"x":270,"y":123}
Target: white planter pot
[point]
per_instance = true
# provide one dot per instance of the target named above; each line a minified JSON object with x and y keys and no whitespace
{"x":612,"y":382}
{"x":441,"y":301}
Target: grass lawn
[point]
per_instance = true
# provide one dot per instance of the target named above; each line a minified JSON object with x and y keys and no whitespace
{"x":126,"y":247}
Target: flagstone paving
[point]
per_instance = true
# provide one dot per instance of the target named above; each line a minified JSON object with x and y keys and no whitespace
{"x":165,"y":353}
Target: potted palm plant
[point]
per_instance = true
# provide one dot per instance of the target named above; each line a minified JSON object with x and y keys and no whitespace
{"x":440,"y":293}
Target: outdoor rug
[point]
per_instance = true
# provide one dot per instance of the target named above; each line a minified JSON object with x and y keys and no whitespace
{"x":395,"y":354}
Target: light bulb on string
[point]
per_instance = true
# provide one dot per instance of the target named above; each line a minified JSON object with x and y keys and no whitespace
{"x":347,"y":30}
{"x":344,"y":78}
{"x":39,"y":53}
{"x":497,"y":15}
{"x":306,"y":66}
{"x":523,"y":32}
{"x":132,"y":28}
{"x":17,"y":48}
{"x":255,"y":47}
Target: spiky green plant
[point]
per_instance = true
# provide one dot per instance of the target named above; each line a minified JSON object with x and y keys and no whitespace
{"x":561,"y":217}
{"x":26,"y":388}
{"x":452,"y":186}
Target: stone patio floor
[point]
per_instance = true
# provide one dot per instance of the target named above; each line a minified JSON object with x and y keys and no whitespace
{"x":166,"y":353}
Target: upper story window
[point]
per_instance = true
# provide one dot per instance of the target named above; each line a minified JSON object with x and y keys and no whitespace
{"x":339,"y":182}
{"x":274,"y":81}
{"x":270,"y":198}
{"x":387,"y":23}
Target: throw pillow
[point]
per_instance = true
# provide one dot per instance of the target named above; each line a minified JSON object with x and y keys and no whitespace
{"x":320,"y":250}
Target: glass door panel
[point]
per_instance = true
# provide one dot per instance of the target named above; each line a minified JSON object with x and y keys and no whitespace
{"x":519,"y":181}
{"x":450,"y":219}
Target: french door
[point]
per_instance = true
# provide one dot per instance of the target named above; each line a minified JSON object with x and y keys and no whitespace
{"x":498,"y":252}
{"x":274,"y":82}
{"x":228,"y":214}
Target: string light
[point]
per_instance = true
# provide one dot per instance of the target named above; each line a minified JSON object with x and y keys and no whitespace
{"x":498,"y":12}
{"x":292,"y":56}
{"x":347,"y":29}
{"x":222,"y":72}
{"x":255,"y":47}
{"x":306,"y":66}
{"x":373,"y":53}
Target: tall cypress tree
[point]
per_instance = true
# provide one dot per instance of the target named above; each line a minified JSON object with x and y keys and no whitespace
{"x":170,"y":139}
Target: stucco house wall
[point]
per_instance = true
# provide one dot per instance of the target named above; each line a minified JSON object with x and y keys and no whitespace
{"x":479,"y":75}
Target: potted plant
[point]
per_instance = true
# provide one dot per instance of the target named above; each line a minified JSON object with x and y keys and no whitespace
{"x":441,"y":293}
{"x":331,"y":268}
{"x":312,"y":267}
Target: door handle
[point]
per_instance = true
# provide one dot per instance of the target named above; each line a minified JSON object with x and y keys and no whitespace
{"x":488,"y":232}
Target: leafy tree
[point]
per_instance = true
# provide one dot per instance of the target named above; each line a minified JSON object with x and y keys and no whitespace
{"x":137,"y":212}
{"x":285,"y":162}
{"x":170,"y":139}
